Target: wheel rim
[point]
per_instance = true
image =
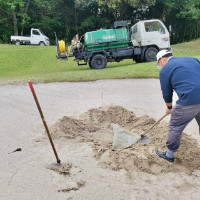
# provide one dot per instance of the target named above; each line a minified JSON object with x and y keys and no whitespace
{"x":152,"y":55}
{"x":99,"y":61}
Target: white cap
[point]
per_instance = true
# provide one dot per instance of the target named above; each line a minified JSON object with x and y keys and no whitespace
{"x":162,"y":53}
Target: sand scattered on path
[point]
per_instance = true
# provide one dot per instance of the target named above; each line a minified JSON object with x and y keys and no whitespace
{"x":94,"y":127}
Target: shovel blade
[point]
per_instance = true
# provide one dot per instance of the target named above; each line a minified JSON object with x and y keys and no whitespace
{"x":122,"y":138}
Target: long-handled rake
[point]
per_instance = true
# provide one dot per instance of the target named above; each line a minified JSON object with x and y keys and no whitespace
{"x":54,"y":166}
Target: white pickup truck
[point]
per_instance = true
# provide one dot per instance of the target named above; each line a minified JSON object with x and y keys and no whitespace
{"x":37,"y":38}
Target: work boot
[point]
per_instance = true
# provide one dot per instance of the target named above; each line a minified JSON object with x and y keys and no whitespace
{"x":163,"y":155}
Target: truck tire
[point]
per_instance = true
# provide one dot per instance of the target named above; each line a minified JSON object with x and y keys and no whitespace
{"x":98,"y":62}
{"x":138,"y":59}
{"x":41,"y":44}
{"x":150,"y":54}
{"x":90,"y":65}
{"x":17,"y":42}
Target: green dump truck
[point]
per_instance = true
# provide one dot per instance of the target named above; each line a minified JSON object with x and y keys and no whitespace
{"x":140,"y":43}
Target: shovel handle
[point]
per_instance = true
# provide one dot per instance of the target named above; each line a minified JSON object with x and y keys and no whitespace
{"x":43,"y":120}
{"x":142,"y":135}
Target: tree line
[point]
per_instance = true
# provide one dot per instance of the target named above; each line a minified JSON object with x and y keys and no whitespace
{"x":68,"y":17}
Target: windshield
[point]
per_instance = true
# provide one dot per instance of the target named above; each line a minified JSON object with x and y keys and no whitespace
{"x":42,"y":33}
{"x":154,"y":26}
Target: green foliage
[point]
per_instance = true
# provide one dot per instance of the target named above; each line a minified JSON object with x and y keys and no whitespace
{"x":182,"y":15}
{"x":5,"y":24}
{"x":68,"y":17}
{"x":191,"y":10}
{"x":119,"y":8}
{"x":134,"y":3}
{"x":14,"y":3}
{"x":84,"y":3}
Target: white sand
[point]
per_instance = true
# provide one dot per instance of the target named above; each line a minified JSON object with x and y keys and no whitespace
{"x":24,"y":175}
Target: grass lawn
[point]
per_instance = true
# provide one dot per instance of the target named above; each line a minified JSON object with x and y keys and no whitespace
{"x":21,"y":63}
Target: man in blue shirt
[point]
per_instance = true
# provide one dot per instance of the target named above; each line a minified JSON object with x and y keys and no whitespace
{"x":182,"y":75}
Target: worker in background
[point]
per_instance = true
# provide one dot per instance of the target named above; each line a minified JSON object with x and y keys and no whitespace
{"x":182,"y":75}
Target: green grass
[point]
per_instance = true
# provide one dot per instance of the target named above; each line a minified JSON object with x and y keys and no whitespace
{"x":21,"y":63}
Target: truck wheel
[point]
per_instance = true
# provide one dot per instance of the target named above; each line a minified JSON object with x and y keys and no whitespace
{"x":150,"y":54}
{"x":137,"y":59}
{"x":98,"y":62}
{"x":90,"y":65}
{"x":17,"y":42}
{"x":41,"y":44}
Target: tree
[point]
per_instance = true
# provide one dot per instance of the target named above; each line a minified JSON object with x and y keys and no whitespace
{"x":19,"y":10}
{"x":24,"y":15}
{"x":191,"y":12}
{"x":6,"y":27}
{"x":183,"y":15}
{"x":119,"y":7}
{"x":68,"y":17}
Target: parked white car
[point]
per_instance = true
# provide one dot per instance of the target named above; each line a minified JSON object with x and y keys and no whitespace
{"x":37,"y":38}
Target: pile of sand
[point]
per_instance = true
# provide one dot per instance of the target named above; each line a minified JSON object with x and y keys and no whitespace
{"x":94,"y":127}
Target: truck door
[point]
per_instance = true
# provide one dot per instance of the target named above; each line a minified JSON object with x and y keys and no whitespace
{"x":35,"y":36}
{"x":155,"y":33}
{"x":135,"y":35}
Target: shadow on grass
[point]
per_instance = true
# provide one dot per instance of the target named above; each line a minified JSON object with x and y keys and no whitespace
{"x":107,"y":67}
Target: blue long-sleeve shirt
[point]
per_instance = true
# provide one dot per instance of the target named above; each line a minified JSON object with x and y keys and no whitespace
{"x":181,"y":74}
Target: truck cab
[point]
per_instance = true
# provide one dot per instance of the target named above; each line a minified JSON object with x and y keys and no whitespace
{"x":38,"y":36}
{"x":151,"y":36}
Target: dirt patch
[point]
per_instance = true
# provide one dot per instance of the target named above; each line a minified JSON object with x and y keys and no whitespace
{"x":196,"y":42}
{"x":61,"y":168}
{"x":79,"y":185}
{"x":94,"y":127}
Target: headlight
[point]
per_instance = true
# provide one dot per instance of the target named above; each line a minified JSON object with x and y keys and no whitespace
{"x":166,"y":39}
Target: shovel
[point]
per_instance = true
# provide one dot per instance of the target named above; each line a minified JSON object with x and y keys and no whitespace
{"x":54,"y":166}
{"x":144,"y":138}
{"x":123,"y":139}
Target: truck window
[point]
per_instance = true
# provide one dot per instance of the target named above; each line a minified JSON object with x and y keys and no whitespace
{"x":42,"y":33}
{"x":154,"y":26}
{"x":134,"y":29}
{"x":35,"y":32}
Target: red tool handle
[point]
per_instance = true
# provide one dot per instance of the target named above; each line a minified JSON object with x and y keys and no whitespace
{"x":44,"y":122}
{"x":31,"y":86}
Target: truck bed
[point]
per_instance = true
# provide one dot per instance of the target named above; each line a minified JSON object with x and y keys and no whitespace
{"x":14,"y":38}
